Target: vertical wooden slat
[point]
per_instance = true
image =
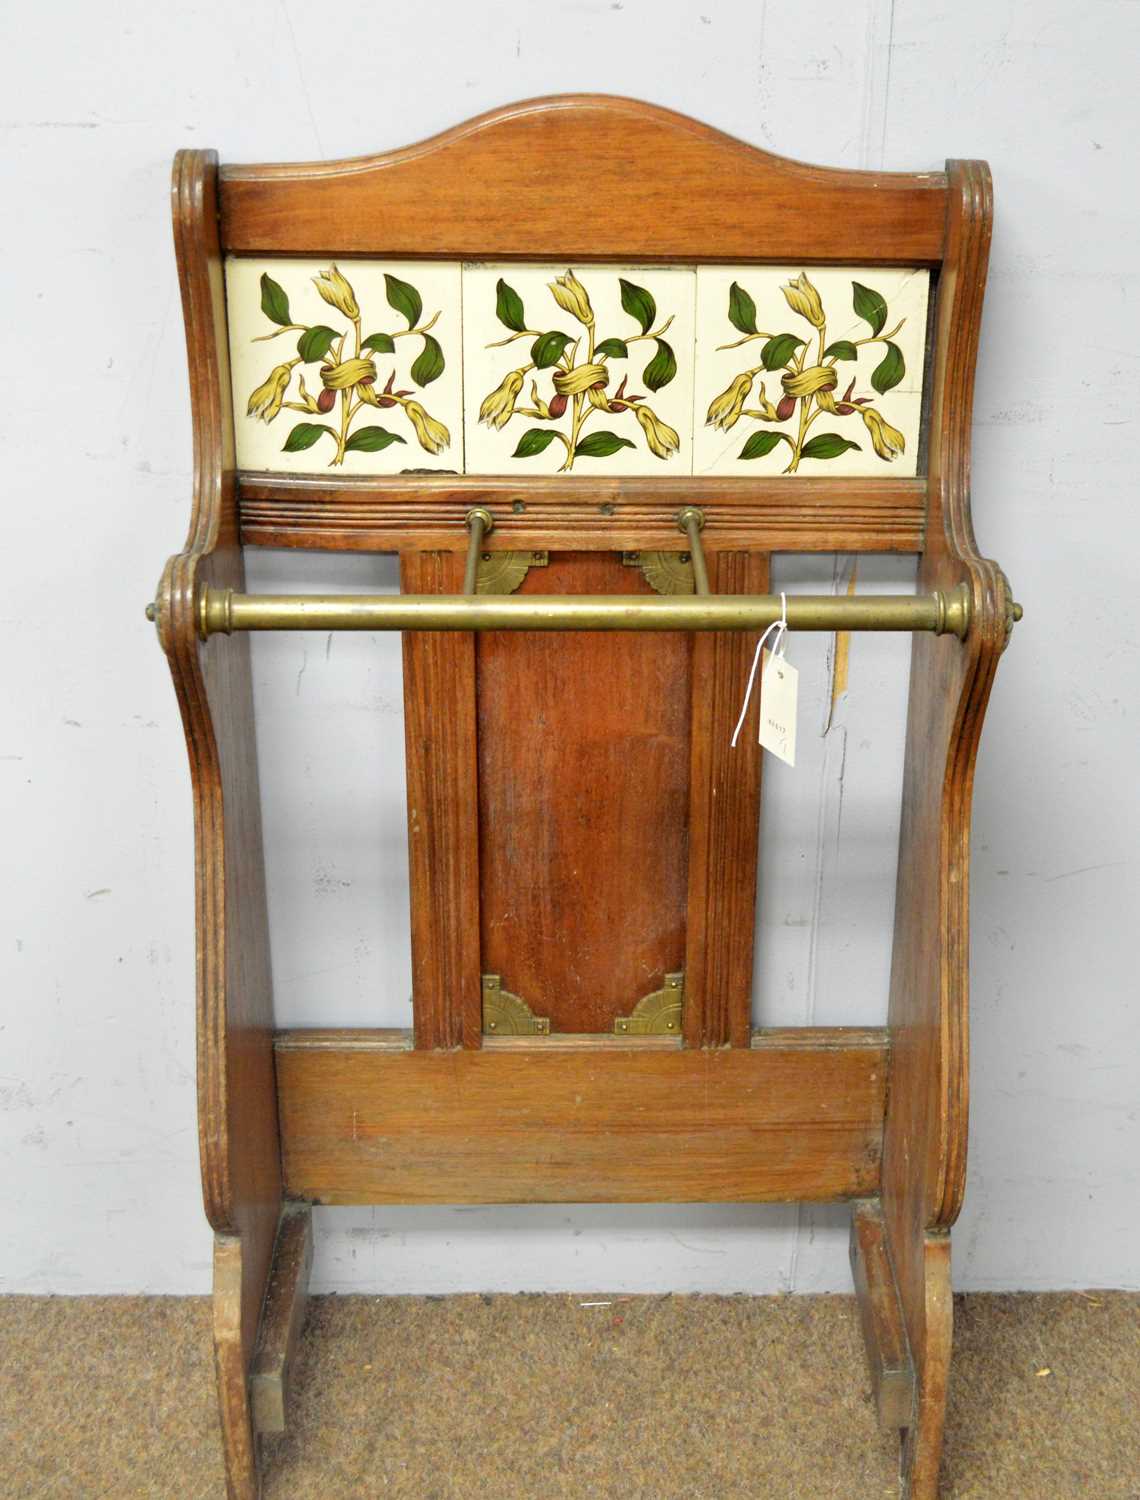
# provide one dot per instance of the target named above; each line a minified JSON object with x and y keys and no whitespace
{"x":443,"y":824}
{"x":724,"y":812}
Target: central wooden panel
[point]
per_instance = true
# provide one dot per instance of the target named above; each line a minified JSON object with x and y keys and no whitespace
{"x":583,"y":750}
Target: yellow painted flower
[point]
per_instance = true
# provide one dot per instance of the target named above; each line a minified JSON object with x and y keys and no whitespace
{"x":337,"y":292}
{"x":310,"y":403}
{"x":433,"y":435}
{"x":813,"y":381}
{"x":368,"y":393}
{"x":571,"y":297}
{"x":766,"y":410}
{"x":266,"y":399}
{"x":662,"y":439}
{"x":887,"y":441}
{"x":537,"y":402}
{"x":803,"y":298}
{"x":348,"y":373}
{"x":724,"y":410}
{"x":499,"y":406}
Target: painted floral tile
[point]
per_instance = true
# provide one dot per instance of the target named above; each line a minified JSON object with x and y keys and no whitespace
{"x":815,"y":371}
{"x":578,"y":369}
{"x":355,"y":367}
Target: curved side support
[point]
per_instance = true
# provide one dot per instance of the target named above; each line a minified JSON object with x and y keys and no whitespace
{"x":237,"y":1113}
{"x":925,"y":1138}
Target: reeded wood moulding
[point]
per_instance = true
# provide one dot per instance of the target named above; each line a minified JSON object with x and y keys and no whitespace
{"x":718,"y":1113}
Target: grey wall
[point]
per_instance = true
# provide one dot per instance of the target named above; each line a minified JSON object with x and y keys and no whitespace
{"x":97,"y":1126}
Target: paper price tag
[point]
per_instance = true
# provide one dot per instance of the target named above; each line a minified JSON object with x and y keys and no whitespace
{"x":779,"y":686}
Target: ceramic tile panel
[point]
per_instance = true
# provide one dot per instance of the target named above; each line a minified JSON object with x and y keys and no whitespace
{"x":355,"y":367}
{"x":811,"y":372}
{"x":583,"y":369}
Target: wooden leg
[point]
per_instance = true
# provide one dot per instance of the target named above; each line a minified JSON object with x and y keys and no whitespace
{"x":253,"y":1386}
{"x":922,"y":1441}
{"x":283,"y":1319}
{"x":239,"y":1445}
{"x":884,"y":1332}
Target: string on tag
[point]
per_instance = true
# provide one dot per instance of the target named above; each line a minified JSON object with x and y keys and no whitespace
{"x":780,"y":626}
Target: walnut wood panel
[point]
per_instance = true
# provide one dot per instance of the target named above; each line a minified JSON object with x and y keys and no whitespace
{"x":763,"y":514}
{"x":368,"y":1121}
{"x":237,"y":1117}
{"x":443,"y":832}
{"x":632,"y":182}
{"x":583,"y":804}
{"x":724,"y":825}
{"x":925,"y":1147}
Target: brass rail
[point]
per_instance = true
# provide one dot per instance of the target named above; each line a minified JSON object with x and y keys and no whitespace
{"x":480,"y":523}
{"x":224,"y":611}
{"x":690,"y":521}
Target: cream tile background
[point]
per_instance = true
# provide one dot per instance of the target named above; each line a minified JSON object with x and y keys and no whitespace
{"x":489,"y":450}
{"x":905,"y":293}
{"x":259,"y":444}
{"x":477,"y":361}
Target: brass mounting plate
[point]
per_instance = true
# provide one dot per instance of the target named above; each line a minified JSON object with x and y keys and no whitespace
{"x":666,"y":572}
{"x":505,"y":1014}
{"x":658,"y":1014}
{"x":503,"y":572}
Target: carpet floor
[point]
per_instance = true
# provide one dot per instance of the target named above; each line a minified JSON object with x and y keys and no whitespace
{"x":540,"y":1398}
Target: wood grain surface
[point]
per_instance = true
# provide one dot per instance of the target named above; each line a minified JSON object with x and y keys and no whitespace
{"x":583,"y":804}
{"x":634,"y":183}
{"x":365,"y":1120}
{"x":800,"y":514}
{"x":237,"y":1116}
{"x":927,"y":1122}
{"x":724,"y":825}
{"x":443,"y":829}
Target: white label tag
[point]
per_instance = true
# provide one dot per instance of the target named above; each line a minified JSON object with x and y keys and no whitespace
{"x":779,"y":685}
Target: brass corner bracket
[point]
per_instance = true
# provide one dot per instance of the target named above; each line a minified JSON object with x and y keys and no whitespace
{"x":505,"y":1014}
{"x":503,"y":572}
{"x":658,"y":1014}
{"x":664,"y":572}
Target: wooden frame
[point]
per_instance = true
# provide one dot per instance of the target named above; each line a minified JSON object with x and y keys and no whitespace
{"x":878,"y":1117}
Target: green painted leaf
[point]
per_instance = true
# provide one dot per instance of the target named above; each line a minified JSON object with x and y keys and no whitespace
{"x":509,"y":307}
{"x":614,"y":348}
{"x":638,"y":303}
{"x":761,"y":443}
{"x":429,"y":365}
{"x":779,"y":349}
{"x":661,"y":368}
{"x":869,"y":305}
{"x":533,"y":441}
{"x":601,"y":445}
{"x":314,"y":343}
{"x":404,"y":298}
{"x":826,"y":445}
{"x":890,"y":372}
{"x":379,"y":343}
{"x":274,"y":302}
{"x":304,"y":435}
{"x":371,"y":440}
{"x":841,"y":349}
{"x":547,"y":349}
{"x":741,"y":309}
